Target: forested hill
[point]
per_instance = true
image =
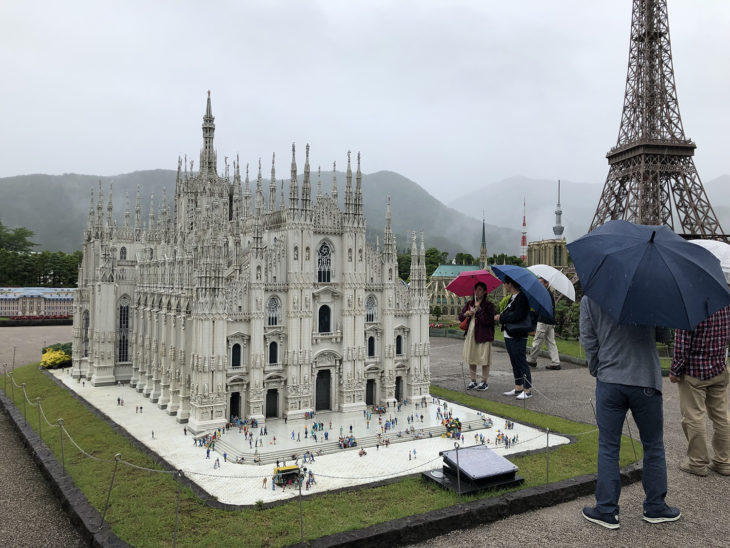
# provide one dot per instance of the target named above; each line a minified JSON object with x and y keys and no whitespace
{"x":55,"y":208}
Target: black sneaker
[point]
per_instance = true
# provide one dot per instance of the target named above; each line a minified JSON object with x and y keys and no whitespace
{"x":609,"y":521}
{"x":471,"y":385}
{"x":531,"y":364}
{"x":482,"y":387}
{"x":668,"y":513}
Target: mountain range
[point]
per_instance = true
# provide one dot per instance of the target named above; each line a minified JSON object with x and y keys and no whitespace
{"x":55,"y":207}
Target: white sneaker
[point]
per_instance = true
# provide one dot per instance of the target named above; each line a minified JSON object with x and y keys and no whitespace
{"x":524,"y":395}
{"x":472,"y":384}
{"x":513,"y":392}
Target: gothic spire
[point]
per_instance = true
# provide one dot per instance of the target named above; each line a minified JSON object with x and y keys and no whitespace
{"x":259,"y":193}
{"x":100,"y":207}
{"x":208,"y":159}
{"x":282,"y":203}
{"x":91,"y":209}
{"x":483,"y":247}
{"x":272,"y":184}
{"x":348,"y":188}
{"x":293,"y":185}
{"x":414,"y":261}
{"x":388,"y":242}
{"x":151,"y":220}
{"x":126,"y":212}
{"x":247,"y":197}
{"x":138,"y":213}
{"x":358,"y":189}
{"x":306,"y":186}
{"x":422,"y":263}
{"x":319,"y":182}
{"x":110,"y":209}
{"x":237,"y":172}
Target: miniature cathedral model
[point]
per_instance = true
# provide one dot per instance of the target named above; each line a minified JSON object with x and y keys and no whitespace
{"x":229,"y":304}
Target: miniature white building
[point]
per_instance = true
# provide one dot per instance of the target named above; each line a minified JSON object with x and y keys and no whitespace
{"x":228,"y":304}
{"x":36,"y":301}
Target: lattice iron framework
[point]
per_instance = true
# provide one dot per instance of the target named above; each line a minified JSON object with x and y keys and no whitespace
{"x":652,"y":178}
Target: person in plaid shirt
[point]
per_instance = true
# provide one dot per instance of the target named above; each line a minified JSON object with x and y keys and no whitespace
{"x":698,"y":367}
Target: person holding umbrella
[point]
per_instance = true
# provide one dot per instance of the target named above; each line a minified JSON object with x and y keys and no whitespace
{"x":636,"y":277}
{"x":515,"y":338}
{"x":545,"y":332}
{"x":479,"y":335}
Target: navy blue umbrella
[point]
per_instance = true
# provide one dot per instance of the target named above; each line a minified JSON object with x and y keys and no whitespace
{"x":648,"y":275}
{"x":536,"y":294}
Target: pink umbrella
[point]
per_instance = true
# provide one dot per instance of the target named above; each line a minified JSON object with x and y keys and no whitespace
{"x":463,"y":284}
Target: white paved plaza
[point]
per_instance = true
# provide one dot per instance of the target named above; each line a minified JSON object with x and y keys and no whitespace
{"x":333,"y":469}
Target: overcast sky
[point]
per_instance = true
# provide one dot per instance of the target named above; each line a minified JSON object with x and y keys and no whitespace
{"x":452,"y":94}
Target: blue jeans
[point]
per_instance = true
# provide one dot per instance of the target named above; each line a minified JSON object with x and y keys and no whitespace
{"x":612,"y":403}
{"x":516,"y":350}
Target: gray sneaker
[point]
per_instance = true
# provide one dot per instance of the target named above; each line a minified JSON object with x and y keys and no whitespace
{"x":668,"y":513}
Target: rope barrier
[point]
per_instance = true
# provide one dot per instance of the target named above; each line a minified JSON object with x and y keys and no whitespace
{"x":81,"y":450}
{"x":43,"y":414}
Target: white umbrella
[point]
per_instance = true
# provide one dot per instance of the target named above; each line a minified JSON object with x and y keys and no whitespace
{"x":557,"y":280}
{"x":721,"y":250}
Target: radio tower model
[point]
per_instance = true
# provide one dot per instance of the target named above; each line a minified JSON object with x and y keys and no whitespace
{"x":523,"y":242}
{"x":652,"y":177}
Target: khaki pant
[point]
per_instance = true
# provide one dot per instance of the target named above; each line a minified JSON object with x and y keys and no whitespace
{"x":544,"y":333}
{"x":698,"y":399}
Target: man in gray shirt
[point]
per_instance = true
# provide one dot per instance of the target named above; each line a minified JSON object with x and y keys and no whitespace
{"x":624,"y":360}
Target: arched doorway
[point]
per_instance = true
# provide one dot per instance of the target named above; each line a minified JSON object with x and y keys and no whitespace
{"x":235,"y":405}
{"x":323,"y":390}
{"x":272,"y":403}
{"x":399,"y":388}
{"x":370,"y":392}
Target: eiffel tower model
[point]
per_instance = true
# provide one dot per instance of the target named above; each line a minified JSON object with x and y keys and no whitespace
{"x":652,"y":177}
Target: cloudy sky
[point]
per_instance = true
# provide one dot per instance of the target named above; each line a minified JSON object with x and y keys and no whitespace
{"x":452,"y":94}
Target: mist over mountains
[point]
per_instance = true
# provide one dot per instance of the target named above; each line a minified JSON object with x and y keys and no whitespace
{"x":56,"y":207}
{"x":502,"y":203}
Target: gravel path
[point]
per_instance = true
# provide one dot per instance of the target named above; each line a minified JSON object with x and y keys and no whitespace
{"x":703,"y":501}
{"x":30,"y":514}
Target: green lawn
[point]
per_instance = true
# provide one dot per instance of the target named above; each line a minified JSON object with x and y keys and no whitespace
{"x":142,"y":507}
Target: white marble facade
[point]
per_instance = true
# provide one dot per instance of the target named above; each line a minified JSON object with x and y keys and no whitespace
{"x":228,"y":303}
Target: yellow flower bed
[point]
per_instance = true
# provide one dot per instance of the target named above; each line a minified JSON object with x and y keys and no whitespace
{"x":55,"y":358}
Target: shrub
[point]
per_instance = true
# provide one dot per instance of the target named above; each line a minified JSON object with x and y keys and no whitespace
{"x":64,"y":347}
{"x":53,"y":359}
